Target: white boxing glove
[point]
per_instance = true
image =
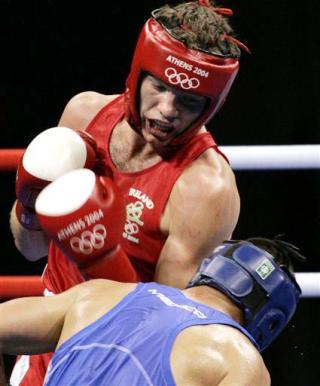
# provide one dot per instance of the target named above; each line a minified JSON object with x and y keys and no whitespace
{"x":50,"y":155}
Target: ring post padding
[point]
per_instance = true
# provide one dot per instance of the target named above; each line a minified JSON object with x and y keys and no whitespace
{"x":9,"y":159}
{"x":20,"y":286}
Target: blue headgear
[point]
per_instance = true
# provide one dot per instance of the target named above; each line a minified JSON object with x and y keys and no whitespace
{"x":248,"y":275}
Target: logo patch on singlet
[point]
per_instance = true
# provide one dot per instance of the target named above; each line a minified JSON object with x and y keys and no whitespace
{"x":134,"y":214}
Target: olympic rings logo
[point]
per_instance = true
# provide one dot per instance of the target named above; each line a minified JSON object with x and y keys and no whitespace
{"x":89,"y":241}
{"x":181,"y":79}
{"x":134,"y":212}
{"x":131,"y":228}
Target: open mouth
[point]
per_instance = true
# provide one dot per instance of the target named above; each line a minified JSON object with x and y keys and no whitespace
{"x":159,"y":129}
{"x":161,"y":125}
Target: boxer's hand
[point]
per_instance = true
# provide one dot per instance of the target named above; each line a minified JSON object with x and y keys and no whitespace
{"x":84,"y":214}
{"x":50,"y":155}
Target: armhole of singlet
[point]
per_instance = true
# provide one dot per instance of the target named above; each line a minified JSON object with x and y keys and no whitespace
{"x":97,"y":117}
{"x":166,"y":352}
{"x":101,"y":112}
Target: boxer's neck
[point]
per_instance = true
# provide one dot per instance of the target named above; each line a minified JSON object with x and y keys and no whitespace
{"x":214,"y":298}
{"x":130,"y":152}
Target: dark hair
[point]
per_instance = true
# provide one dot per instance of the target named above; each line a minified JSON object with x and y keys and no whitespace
{"x":203,"y":27}
{"x":283,"y":252}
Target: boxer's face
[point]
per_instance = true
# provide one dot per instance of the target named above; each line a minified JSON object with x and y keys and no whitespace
{"x":166,"y":111}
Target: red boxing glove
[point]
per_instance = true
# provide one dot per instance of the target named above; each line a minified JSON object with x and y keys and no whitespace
{"x":50,"y":155}
{"x":84,"y":214}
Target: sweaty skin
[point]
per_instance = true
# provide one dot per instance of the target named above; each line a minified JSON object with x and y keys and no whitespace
{"x":214,"y":355}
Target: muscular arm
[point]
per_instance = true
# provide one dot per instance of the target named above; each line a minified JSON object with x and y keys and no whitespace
{"x":202,"y":212}
{"x":242,"y":363}
{"x":239,"y":365}
{"x":33,"y":324}
{"x":216,"y":355}
{"x":82,"y":108}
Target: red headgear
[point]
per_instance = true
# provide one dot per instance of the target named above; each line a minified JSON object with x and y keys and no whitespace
{"x":168,"y":59}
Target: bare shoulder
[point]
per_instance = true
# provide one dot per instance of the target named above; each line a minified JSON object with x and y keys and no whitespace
{"x":208,"y":184}
{"x":244,"y":364}
{"x":91,"y":300}
{"x":97,"y":289}
{"x":101,"y":293}
{"x":90,"y":99}
{"x":211,"y":170}
{"x":202,"y":211}
{"x":82,"y":108}
{"x":217,"y":355}
{"x":94,"y":287}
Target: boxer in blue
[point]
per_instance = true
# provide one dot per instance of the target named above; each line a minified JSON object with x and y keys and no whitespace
{"x":110,"y":333}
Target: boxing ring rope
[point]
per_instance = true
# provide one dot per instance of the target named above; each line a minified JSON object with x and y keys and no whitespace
{"x":241,"y":157}
{"x":266,"y":157}
{"x":9,"y":159}
{"x":273,"y":157}
{"x":18,"y":286}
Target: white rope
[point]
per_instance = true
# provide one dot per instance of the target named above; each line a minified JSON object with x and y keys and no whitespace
{"x":309,"y":283}
{"x":273,"y":157}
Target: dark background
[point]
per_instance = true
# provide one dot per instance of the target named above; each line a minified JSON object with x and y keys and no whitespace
{"x":51,"y":50}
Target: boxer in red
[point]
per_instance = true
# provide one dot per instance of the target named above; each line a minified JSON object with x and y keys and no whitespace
{"x":178,"y":189}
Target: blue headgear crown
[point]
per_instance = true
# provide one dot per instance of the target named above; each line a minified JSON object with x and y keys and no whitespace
{"x":249,"y":276}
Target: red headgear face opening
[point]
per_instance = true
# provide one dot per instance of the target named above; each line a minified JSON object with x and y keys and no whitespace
{"x":169,"y":60}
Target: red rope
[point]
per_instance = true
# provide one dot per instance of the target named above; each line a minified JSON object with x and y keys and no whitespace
{"x":9,"y":159}
{"x":20,"y":286}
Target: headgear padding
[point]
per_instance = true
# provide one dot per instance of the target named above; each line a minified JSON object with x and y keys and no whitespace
{"x":168,"y":59}
{"x":267,"y":294}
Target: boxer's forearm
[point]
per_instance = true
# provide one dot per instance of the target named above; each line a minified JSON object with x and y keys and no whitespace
{"x":33,"y":245}
{"x":32,"y":325}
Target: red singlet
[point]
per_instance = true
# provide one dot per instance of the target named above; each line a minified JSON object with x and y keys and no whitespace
{"x":146,"y":193}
